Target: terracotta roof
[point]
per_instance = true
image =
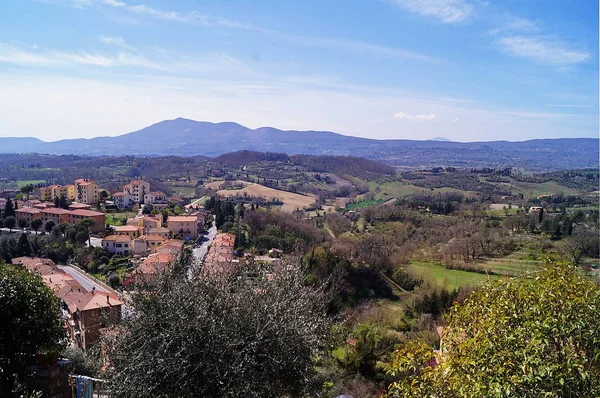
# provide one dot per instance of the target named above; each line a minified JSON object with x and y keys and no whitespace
{"x":151,"y":237}
{"x":159,"y":230}
{"x":79,"y":206}
{"x":117,"y":238}
{"x":126,"y":228}
{"x":182,"y":219}
{"x":42,"y":266}
{"x":158,"y":193}
{"x":137,"y":182}
{"x":119,"y":194}
{"x":155,"y":263}
{"x":86,"y":213}
{"x":56,"y":211}
{"x":84,"y":181}
{"x":29,"y":210}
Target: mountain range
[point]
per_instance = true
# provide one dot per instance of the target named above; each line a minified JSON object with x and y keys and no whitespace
{"x":186,"y":137}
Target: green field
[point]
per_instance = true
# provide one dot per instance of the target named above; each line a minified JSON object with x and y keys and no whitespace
{"x":115,"y":218}
{"x":22,"y":183}
{"x":452,"y":279}
{"x":363,"y":204}
{"x":533,"y":189}
{"x":185,"y":190}
{"x":397,"y":189}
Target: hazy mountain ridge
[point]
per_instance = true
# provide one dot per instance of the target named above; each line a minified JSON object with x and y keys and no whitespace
{"x":188,"y":137}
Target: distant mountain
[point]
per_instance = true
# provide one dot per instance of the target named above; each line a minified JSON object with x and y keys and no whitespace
{"x":186,"y":137}
{"x":441,"y":139}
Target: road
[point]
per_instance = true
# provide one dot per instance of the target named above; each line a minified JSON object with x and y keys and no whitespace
{"x":85,"y":280}
{"x":199,"y":253}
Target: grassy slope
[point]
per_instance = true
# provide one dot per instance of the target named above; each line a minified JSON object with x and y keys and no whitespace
{"x":452,"y":279}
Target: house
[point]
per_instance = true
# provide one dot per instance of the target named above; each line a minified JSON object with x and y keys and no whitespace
{"x":74,"y":216}
{"x":155,"y":198}
{"x":137,"y":189}
{"x":188,"y":227}
{"x":146,"y":243}
{"x":86,"y":191}
{"x":85,"y":313}
{"x":535,"y":209}
{"x":162,"y":231}
{"x":154,"y":264}
{"x":131,"y":231}
{"x":149,"y":222}
{"x":27,"y":213}
{"x":121,"y":199}
{"x":117,"y":244}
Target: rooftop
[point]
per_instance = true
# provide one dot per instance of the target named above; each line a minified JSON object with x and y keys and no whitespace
{"x":86,"y":213}
{"x":182,"y":219}
{"x":117,"y":238}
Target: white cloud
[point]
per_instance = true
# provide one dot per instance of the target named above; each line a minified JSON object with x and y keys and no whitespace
{"x":192,"y":17}
{"x":401,"y":115}
{"x":10,"y":54}
{"x":543,"y":50}
{"x":569,"y":106}
{"x":455,"y":120}
{"x":116,"y":41}
{"x":514,"y":24}
{"x":447,"y":11}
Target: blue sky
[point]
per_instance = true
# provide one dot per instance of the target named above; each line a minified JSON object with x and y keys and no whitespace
{"x":467,"y":70}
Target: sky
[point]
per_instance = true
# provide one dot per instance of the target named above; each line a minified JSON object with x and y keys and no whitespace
{"x":467,"y":70}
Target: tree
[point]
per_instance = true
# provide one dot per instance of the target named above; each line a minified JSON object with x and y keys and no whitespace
{"x":36,"y":224}
{"x":9,"y":209}
{"x":233,"y":336}
{"x":27,"y":190}
{"x":49,"y":225}
{"x":10,"y":222}
{"x":532,"y":336}
{"x":23,"y":247}
{"x":30,"y":313}
{"x":22,"y":223}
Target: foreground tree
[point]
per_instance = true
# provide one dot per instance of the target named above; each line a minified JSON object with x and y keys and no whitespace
{"x":532,"y":336}
{"x":241,"y":336}
{"x":36,"y":224}
{"x":10,"y":222}
{"x":31,"y":318}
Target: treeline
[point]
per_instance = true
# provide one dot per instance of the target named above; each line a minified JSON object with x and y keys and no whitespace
{"x":244,"y":157}
{"x":340,"y":165}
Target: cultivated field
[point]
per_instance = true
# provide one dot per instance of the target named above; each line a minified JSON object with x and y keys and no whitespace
{"x":291,"y":201}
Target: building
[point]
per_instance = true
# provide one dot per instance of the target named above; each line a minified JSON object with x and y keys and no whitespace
{"x":27,"y":213}
{"x":74,"y":216}
{"x":55,"y":214}
{"x":86,"y":313}
{"x":50,"y":193}
{"x":219,"y":260}
{"x":137,"y":189}
{"x":79,"y":206}
{"x":155,"y":198}
{"x":149,"y":222}
{"x":121,"y":200}
{"x":131,"y":231}
{"x":187,"y":227}
{"x":535,"y":209}
{"x":86,"y":191}
{"x":162,"y":231}
{"x":146,"y":243}
{"x":117,"y":244}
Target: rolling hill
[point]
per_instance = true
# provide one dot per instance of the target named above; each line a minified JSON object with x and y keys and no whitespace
{"x":186,"y":137}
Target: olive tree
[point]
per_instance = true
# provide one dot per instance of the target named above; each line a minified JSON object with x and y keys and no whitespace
{"x":532,"y":336}
{"x":242,"y":335}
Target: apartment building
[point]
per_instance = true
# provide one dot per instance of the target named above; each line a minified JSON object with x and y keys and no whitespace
{"x":155,"y":198}
{"x":56,"y":191}
{"x":137,"y":189}
{"x":219,"y":259}
{"x":187,"y":227}
{"x":55,"y":214}
{"x":27,"y":213}
{"x":146,"y":243}
{"x":117,"y":244}
{"x":74,"y":216}
{"x":86,"y":191}
{"x":121,"y":200}
{"x":86,"y":313}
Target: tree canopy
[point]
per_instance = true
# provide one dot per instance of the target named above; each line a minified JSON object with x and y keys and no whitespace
{"x":30,"y":313}
{"x":241,"y":336}
{"x":532,"y":336}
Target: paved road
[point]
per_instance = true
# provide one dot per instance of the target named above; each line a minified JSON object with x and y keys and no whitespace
{"x":86,"y":281}
{"x":199,"y":253}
